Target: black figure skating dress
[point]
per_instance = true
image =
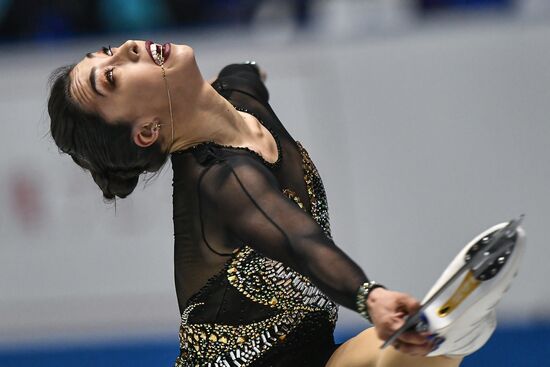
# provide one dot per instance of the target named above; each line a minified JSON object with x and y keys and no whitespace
{"x":258,"y":277}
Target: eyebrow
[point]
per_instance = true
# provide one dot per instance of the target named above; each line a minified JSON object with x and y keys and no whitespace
{"x":92,"y":81}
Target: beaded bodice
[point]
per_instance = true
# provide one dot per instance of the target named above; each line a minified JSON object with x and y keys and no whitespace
{"x":257,"y":273}
{"x":288,"y":295}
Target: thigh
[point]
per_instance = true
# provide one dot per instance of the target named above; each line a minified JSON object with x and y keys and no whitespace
{"x":363,"y":350}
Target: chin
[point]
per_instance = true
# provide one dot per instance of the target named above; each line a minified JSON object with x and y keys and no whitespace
{"x":182,"y":66}
{"x":180,"y":56}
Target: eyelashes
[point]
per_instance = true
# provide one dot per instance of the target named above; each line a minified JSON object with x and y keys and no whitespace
{"x":109,"y":76}
{"x":107,"y":50}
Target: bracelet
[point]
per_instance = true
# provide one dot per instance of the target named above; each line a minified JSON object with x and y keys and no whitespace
{"x":363,"y":295}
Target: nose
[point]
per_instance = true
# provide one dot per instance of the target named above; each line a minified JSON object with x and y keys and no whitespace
{"x":130,"y":50}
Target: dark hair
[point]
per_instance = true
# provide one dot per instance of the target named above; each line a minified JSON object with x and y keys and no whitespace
{"x":105,"y":149}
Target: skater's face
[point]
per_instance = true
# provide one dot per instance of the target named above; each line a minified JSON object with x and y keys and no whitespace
{"x":126,"y":83}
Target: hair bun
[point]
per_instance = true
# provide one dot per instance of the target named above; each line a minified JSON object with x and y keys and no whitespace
{"x":116,"y":183}
{"x":106,"y":149}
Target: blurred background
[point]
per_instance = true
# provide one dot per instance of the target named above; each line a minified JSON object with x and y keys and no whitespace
{"x":427,"y":119}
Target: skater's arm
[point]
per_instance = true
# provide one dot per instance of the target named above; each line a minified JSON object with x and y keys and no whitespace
{"x":242,"y":195}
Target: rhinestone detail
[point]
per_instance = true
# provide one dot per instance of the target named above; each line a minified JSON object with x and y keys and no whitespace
{"x":316,"y":191}
{"x":273,"y":284}
{"x":220,"y":345}
{"x":264,"y":281}
{"x":294,"y":197}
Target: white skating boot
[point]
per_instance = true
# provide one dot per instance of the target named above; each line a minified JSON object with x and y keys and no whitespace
{"x":459,"y":310}
{"x":463,"y":315}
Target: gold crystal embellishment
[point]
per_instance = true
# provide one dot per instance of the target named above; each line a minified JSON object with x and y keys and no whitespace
{"x":315,"y":190}
{"x":294,"y":197}
{"x":273,"y":284}
{"x":230,"y":345}
{"x":267,"y":282}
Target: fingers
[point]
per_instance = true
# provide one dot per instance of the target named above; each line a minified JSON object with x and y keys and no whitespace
{"x":413,"y":349}
{"x":391,"y":309}
{"x":411,"y":343}
{"x":386,"y":329}
{"x":263,"y":75}
{"x":408,"y":304}
{"x":394,"y":318}
{"x":413,"y":338}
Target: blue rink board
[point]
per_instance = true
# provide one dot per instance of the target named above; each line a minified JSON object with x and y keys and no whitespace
{"x":517,"y":346}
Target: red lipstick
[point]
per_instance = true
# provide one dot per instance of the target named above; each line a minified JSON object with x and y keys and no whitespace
{"x":158,"y":53}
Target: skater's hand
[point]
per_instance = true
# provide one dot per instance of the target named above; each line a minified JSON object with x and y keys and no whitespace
{"x":263,"y":75}
{"x":387,"y":310}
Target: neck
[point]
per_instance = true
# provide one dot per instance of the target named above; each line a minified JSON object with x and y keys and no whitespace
{"x":208,"y":117}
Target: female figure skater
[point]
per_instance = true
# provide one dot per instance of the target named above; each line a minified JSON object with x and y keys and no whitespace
{"x":258,"y":277}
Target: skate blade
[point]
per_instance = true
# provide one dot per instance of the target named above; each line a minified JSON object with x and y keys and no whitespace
{"x":481,"y":264}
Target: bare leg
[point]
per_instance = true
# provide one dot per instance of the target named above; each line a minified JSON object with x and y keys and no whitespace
{"x":364,"y":350}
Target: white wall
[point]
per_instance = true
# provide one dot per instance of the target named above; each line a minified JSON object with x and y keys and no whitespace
{"x":423,"y":140}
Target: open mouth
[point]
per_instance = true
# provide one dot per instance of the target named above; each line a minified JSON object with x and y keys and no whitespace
{"x":159,"y":53}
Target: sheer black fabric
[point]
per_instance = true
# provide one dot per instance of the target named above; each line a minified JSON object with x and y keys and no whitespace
{"x":249,"y":234}
{"x":243,"y":200}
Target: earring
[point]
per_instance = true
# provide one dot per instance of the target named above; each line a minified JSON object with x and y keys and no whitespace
{"x":156,"y":127}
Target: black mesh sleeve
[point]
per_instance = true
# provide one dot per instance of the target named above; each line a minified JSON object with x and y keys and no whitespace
{"x":241,"y":196}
